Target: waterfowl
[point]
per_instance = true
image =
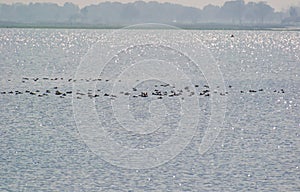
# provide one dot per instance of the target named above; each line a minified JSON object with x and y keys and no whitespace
{"x":144,"y":94}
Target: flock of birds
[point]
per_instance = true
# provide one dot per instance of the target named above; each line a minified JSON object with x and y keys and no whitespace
{"x":158,"y":91}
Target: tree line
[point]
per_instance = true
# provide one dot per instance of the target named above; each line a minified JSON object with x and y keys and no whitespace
{"x":231,"y":12}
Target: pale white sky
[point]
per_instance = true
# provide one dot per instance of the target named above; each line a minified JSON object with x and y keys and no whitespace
{"x":277,"y":4}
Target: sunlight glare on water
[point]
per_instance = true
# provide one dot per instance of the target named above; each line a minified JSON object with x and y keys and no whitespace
{"x":258,"y":148}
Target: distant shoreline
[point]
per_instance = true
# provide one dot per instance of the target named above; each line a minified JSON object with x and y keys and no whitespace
{"x":202,"y":26}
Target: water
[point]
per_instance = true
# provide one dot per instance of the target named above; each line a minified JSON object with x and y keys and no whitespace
{"x":42,"y":147}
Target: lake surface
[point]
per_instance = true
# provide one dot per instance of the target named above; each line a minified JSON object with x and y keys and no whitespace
{"x":57,"y":112}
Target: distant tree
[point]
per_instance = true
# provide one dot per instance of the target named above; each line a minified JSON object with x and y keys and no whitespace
{"x":130,"y":13}
{"x":293,"y":12}
{"x":249,"y":13}
{"x":263,"y":10}
{"x":7,"y":13}
{"x":190,"y":15}
{"x":259,"y":12}
{"x":69,"y":12}
{"x":210,"y":13}
{"x":232,"y":10}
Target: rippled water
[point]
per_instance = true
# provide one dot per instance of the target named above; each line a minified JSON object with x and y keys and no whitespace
{"x":42,"y":149}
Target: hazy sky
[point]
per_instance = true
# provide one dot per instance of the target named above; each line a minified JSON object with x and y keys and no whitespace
{"x":277,"y":4}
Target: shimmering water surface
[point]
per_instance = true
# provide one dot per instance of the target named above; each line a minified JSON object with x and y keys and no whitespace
{"x":258,"y":148}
